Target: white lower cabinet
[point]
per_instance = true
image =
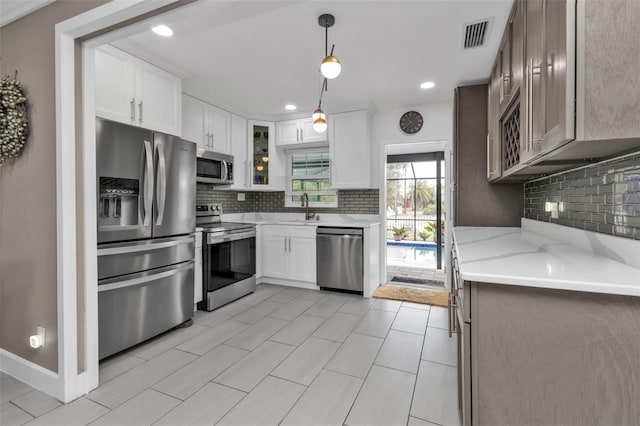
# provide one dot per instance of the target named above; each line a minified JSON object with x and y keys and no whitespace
{"x":197,"y":276}
{"x":289,"y":252}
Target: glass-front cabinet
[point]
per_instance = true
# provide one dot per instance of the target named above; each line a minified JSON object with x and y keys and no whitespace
{"x":266,"y":168}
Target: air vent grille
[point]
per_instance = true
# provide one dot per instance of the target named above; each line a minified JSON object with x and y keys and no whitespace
{"x":475,"y":34}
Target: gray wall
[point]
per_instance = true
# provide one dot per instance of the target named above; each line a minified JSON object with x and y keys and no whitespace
{"x":28,"y":290}
{"x":362,"y":201}
{"x":603,"y":197}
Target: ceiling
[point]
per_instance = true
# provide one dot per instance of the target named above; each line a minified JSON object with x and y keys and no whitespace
{"x":253,"y":57}
{"x":11,"y":10}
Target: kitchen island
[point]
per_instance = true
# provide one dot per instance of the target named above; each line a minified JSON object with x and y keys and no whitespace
{"x":548,"y":323}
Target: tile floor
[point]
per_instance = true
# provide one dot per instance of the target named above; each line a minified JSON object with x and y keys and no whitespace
{"x":278,"y":356}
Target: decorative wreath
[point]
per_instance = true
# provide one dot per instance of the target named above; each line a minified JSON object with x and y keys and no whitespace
{"x":14,"y":124}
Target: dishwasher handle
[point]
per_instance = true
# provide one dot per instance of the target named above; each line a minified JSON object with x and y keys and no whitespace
{"x":339,"y":231}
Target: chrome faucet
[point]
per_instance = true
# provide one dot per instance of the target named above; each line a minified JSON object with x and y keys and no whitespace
{"x":305,"y":203}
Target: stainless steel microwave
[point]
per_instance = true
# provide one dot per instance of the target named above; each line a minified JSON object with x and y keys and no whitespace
{"x":214,"y":167}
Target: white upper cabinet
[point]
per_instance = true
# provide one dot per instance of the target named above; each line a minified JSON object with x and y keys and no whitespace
{"x":206,"y":125}
{"x":349,"y":150}
{"x":239,"y":152}
{"x":293,"y":132}
{"x":132,"y":91}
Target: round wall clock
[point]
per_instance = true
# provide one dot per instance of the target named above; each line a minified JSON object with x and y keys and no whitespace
{"x":411,"y":122}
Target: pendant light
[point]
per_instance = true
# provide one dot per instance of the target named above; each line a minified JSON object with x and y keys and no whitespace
{"x":318,"y":116}
{"x":330,"y":66}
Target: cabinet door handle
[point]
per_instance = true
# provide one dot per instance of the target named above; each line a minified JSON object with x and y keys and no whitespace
{"x":285,"y":245}
{"x":133,"y":109}
{"x":301,"y":135}
{"x":140,"y":109}
{"x":451,"y":306}
{"x":297,"y":135}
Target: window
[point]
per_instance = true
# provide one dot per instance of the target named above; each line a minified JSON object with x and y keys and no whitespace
{"x":310,"y":173}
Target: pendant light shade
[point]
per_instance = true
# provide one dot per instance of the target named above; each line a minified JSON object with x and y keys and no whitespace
{"x":330,"y":67}
{"x":320,"y":125}
{"x":318,"y":114}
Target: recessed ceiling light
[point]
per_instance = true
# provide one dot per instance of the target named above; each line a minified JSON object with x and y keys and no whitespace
{"x":290,"y":107}
{"x":162,"y":30}
{"x":427,"y":85}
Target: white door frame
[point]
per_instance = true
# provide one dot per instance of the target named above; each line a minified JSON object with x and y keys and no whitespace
{"x":418,"y":147}
{"x":70,"y":384}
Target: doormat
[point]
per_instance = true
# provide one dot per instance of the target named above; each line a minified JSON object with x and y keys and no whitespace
{"x":418,"y":281}
{"x":415,"y":295}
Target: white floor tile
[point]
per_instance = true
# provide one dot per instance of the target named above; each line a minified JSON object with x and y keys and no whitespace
{"x":203,"y":408}
{"x":385,"y":398}
{"x":439,"y":317}
{"x":266,"y":405}
{"x":143,"y":409}
{"x":439,"y":347}
{"x":416,"y":306}
{"x":338,"y":327}
{"x":257,"y":333}
{"x":297,"y":330}
{"x":10,"y":415}
{"x":116,"y":365}
{"x":214,"y":318}
{"x":184,"y":382}
{"x":326,"y":402}
{"x":208,"y":340}
{"x":386,"y":305}
{"x":77,"y":413}
{"x":413,"y":421}
{"x":36,"y":403}
{"x":436,"y":395}
{"x":376,"y":323}
{"x":250,"y":370}
{"x":326,"y":306}
{"x":287,"y":295}
{"x":411,"y":321}
{"x":357,"y":305}
{"x":312,"y":295}
{"x":127,"y":385}
{"x":12,"y":388}
{"x":292,"y":309}
{"x":257,"y":312}
{"x":166,"y":341}
{"x":304,"y":364}
{"x":356,"y":355}
{"x":401,"y":351}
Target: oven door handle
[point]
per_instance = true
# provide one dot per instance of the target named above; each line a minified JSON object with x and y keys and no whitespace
{"x":223,"y":238}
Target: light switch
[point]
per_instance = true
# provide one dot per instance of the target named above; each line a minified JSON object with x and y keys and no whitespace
{"x":240,"y":196}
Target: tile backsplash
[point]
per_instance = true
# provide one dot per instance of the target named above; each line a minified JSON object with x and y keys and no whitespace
{"x":361,"y":201}
{"x":603,"y":197}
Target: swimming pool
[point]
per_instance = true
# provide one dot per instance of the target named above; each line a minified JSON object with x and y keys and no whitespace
{"x":412,"y":252}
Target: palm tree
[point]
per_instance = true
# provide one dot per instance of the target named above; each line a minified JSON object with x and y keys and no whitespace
{"x":394,"y":190}
{"x":423,"y":192}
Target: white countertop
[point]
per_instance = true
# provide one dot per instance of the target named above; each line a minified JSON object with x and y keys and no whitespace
{"x":339,"y":220}
{"x":518,"y":256}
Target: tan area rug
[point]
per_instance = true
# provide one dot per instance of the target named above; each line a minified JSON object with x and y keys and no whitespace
{"x":415,"y":295}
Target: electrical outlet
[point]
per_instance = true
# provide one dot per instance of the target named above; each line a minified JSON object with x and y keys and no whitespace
{"x":240,"y":196}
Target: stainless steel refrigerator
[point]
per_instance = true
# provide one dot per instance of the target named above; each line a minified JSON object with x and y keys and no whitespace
{"x":146,"y":195}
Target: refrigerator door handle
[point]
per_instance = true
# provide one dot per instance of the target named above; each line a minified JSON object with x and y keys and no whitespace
{"x":161,"y":187}
{"x":148,"y":184}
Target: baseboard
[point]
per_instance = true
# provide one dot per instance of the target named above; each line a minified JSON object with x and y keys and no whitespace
{"x":30,"y":373}
{"x":290,"y":283}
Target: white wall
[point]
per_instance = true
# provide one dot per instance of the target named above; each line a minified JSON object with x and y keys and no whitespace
{"x":438,"y":126}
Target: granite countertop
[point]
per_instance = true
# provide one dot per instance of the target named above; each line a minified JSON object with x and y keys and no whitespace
{"x":519,"y":256}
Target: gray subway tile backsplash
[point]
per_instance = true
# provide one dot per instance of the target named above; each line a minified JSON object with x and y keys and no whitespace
{"x":603,"y":197}
{"x":361,"y":201}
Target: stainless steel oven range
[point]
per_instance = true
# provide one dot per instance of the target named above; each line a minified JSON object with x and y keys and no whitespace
{"x":229,"y":258}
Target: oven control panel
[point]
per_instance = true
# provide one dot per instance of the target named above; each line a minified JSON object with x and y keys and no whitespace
{"x":208,"y":209}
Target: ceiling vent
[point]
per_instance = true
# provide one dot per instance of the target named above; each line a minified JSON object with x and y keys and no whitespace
{"x":475,"y":34}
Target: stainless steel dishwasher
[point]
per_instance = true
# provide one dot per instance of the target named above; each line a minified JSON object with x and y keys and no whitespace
{"x":339,"y":259}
